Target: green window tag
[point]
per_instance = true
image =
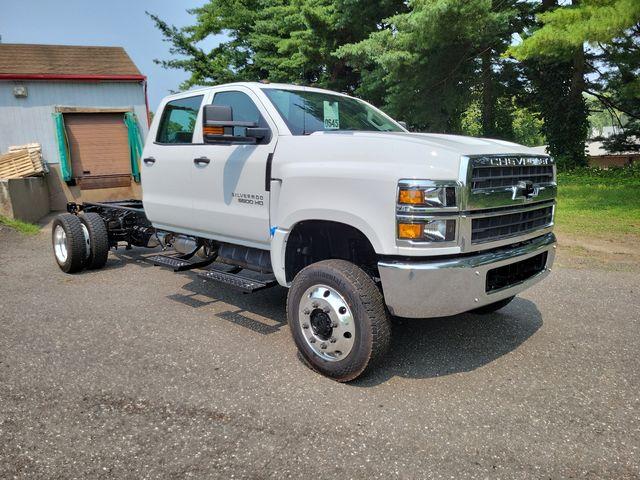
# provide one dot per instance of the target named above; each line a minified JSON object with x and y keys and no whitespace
{"x":331,"y":116}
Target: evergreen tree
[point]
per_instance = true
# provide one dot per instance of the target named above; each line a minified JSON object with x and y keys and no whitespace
{"x":431,"y":63}
{"x":557,"y":65}
{"x":621,"y":92}
{"x":277,"y":40}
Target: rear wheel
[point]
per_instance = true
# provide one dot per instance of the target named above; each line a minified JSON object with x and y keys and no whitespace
{"x":493,"y":307}
{"x":338,"y":319}
{"x":70,"y":243}
{"x":98,"y":240}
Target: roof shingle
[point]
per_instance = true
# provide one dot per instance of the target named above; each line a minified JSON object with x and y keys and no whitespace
{"x":27,"y":59}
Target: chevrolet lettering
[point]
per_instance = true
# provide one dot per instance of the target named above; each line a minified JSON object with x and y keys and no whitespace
{"x":518,"y":161}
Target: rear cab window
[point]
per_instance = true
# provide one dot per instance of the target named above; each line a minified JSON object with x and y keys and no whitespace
{"x":178,"y":120}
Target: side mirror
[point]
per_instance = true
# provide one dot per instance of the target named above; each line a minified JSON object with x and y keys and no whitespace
{"x":218,"y":126}
{"x":403,"y":125}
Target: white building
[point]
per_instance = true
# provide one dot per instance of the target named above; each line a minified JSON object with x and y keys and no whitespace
{"x":86,"y":106}
{"x":597,"y":155}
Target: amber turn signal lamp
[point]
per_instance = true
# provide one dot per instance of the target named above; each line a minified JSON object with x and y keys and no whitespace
{"x":412,"y":197}
{"x":410,"y":230}
{"x":213,"y":130}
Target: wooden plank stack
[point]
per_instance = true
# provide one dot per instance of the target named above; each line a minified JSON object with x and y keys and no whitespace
{"x":22,"y":161}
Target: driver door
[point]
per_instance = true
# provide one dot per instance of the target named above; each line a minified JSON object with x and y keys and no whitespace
{"x":229,"y":188}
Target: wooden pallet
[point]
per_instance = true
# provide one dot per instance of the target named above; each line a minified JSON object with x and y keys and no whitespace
{"x":22,"y":161}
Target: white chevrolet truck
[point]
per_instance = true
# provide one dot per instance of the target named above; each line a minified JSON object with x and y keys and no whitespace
{"x":254,"y":185}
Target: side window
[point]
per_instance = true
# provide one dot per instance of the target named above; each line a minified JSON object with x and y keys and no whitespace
{"x":179,"y":120}
{"x":244,"y":110}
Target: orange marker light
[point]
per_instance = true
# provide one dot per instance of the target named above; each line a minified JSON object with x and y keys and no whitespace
{"x":409,"y":230}
{"x":213,"y":130}
{"x":412,"y":197}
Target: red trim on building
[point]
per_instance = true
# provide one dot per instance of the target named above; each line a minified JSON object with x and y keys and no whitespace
{"x":83,"y":78}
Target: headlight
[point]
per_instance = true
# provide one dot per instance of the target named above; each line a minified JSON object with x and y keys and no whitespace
{"x":427,"y":196}
{"x":429,"y":230}
{"x":427,"y":211}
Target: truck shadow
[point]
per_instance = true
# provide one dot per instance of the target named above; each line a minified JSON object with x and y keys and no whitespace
{"x":443,"y":346}
{"x":261,"y":312}
{"x":422,"y":348}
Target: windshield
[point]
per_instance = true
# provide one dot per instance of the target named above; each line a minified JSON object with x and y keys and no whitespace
{"x":308,"y":112}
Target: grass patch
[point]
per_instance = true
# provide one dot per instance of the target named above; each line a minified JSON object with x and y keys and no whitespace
{"x":22,"y":227}
{"x":601,"y":203}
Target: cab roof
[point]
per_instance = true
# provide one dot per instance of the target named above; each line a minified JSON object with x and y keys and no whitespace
{"x":260,"y":86}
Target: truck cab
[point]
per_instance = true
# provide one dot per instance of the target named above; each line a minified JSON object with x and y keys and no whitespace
{"x":336,"y":201}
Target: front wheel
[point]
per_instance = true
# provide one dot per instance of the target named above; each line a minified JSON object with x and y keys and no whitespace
{"x":338,"y":319}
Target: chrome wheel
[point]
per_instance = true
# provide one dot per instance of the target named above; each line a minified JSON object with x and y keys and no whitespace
{"x":60,"y":244}
{"x":70,"y":241}
{"x":87,"y":242}
{"x":326,"y":322}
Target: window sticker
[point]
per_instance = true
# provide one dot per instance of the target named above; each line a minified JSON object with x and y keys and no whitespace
{"x":331,"y":116}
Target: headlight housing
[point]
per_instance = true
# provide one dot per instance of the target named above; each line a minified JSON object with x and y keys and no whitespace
{"x":429,"y":230}
{"x":427,"y":212}
{"x":427,"y":196}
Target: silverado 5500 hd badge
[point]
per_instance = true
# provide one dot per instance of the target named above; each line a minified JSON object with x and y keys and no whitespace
{"x":249,"y":198}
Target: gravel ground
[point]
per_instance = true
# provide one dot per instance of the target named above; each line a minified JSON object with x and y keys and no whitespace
{"x":137,"y":372}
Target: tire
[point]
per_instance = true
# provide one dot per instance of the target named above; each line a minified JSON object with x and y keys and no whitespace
{"x":69,"y":243}
{"x":355,"y":328}
{"x":98,"y":240}
{"x":493,"y":307}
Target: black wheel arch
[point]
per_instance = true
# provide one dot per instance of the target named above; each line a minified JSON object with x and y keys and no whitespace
{"x":311,"y":241}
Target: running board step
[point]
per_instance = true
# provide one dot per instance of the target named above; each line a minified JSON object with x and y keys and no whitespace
{"x":245,"y":284}
{"x":176,"y":263}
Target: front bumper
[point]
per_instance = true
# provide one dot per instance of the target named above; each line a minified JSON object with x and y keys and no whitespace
{"x":438,"y":288}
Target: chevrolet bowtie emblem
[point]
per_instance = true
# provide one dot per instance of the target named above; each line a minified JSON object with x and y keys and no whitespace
{"x":525,"y":189}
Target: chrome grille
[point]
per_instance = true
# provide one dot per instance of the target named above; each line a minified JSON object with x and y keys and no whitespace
{"x":485,"y":177}
{"x":501,"y":226}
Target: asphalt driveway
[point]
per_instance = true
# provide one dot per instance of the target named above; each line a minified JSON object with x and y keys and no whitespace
{"x":136,"y":372}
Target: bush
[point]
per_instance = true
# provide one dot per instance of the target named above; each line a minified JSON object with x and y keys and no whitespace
{"x":587,"y":175}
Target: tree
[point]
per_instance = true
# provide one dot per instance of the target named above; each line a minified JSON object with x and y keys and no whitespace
{"x":526,"y":126}
{"x":621,"y":96}
{"x":557,"y":64}
{"x":277,"y":40}
{"x":565,"y":30}
{"x":234,"y":59}
{"x":431,"y":63}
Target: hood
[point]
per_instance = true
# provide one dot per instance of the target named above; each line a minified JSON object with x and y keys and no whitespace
{"x":472,"y":145}
{"x":458,"y":144}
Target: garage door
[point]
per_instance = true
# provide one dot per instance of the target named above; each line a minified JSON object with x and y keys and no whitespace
{"x":99,"y":148}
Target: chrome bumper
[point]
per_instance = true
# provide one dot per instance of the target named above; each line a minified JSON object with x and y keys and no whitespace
{"x":438,"y":288}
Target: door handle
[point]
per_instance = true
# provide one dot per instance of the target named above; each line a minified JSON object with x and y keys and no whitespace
{"x":149,"y":160}
{"x":201,"y":160}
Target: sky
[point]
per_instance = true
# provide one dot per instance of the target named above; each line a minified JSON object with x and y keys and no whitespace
{"x":106,"y":22}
